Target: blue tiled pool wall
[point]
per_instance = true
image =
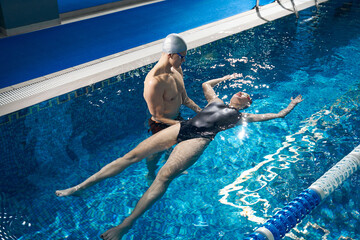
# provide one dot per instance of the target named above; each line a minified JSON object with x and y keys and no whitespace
{"x":81,"y":92}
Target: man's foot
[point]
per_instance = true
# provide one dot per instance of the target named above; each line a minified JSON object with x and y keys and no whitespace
{"x":116,"y":233}
{"x":74,"y":191}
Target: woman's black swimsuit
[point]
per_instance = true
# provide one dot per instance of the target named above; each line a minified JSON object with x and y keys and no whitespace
{"x":214,"y":118}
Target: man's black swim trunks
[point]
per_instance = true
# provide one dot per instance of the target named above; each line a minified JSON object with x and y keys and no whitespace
{"x":214,"y":118}
{"x":155,"y":127}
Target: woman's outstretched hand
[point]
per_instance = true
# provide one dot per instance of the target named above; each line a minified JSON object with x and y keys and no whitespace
{"x":296,"y":100}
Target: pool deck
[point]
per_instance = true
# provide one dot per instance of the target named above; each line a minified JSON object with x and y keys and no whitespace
{"x":31,"y":92}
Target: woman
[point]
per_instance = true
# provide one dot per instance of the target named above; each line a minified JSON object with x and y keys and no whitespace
{"x":191,"y":136}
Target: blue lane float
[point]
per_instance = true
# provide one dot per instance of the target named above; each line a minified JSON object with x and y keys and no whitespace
{"x":287,"y":218}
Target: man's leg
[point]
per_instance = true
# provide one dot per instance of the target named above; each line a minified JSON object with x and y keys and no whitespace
{"x":152,"y":164}
{"x":152,"y":160}
{"x":183,"y":156}
{"x":156,"y":143}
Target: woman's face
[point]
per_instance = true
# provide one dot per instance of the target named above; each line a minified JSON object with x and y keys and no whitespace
{"x":241,"y":100}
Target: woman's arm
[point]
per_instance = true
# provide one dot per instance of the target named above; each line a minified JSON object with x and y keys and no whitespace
{"x":268,"y":116}
{"x":208,"y":87}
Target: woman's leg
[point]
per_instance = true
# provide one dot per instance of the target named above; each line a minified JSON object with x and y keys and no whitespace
{"x":156,"y":143}
{"x":183,"y":156}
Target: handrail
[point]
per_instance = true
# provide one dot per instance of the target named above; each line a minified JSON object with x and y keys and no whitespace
{"x":317,"y":4}
{"x":287,"y":218}
{"x":294,"y":7}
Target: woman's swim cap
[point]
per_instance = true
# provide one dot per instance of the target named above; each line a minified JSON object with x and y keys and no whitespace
{"x":173,"y":43}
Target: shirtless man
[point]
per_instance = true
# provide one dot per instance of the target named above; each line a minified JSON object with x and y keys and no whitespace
{"x":164,"y":92}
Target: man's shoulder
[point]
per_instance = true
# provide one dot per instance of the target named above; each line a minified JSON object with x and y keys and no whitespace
{"x":155,"y":79}
{"x":157,"y":82}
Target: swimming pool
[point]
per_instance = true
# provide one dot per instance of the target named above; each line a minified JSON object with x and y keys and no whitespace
{"x":62,"y":141}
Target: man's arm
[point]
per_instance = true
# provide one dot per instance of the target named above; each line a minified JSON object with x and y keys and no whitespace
{"x":190,"y":103}
{"x":268,"y":116}
{"x":153,"y":94}
{"x":208,"y":87}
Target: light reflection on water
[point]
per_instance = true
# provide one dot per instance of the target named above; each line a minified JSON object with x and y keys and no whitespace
{"x":250,"y":191}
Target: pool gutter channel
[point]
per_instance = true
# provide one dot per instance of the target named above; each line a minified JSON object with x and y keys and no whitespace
{"x":31,"y":92}
{"x":96,"y":11}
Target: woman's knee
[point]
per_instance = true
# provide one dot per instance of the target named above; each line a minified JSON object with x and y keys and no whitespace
{"x":131,"y":157}
{"x":166,"y":175}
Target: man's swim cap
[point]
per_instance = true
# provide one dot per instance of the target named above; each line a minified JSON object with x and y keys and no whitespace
{"x":173,"y":43}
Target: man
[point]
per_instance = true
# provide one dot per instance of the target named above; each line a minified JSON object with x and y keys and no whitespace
{"x":164,"y":92}
{"x":191,"y":136}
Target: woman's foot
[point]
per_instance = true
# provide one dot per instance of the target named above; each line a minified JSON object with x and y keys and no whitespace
{"x":116,"y":233}
{"x":74,"y":191}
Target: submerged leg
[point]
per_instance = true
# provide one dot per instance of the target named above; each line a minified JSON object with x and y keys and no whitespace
{"x":156,"y":143}
{"x":151,"y":164}
{"x":183,"y":156}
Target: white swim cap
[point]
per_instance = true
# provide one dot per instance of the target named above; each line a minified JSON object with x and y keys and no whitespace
{"x":173,"y":43}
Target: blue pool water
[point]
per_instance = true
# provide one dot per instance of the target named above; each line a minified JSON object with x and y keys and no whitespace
{"x":60,"y":142}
